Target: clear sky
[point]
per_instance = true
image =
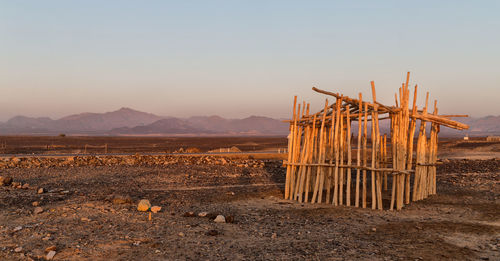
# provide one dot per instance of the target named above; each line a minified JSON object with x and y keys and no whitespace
{"x":240,"y":58}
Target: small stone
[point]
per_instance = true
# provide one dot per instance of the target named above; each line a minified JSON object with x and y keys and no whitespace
{"x":181,"y":234}
{"x":17,"y":228}
{"x":37,"y":210}
{"x":212,"y":232}
{"x":155,"y":209}
{"x":50,"y":255}
{"x":50,"y":248}
{"x":274,"y":235}
{"x":18,"y":249}
{"x":220,"y":219}
{"x":25,"y":186}
{"x":35,"y":203}
{"x":41,"y":191}
{"x":85,"y":219}
{"x":202,"y":214}
{"x":374,"y":229}
{"x":144,"y":205}
{"x":189,"y":214}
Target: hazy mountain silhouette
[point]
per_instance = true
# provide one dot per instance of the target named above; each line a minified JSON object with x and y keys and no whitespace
{"x":126,"y":121}
{"x":164,"y":126}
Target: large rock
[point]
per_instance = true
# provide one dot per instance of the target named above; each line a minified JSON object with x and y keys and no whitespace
{"x":37,"y":210}
{"x":50,"y":255}
{"x":120,"y":199}
{"x":143,"y":205}
{"x":220,"y":219}
{"x":5,"y":181}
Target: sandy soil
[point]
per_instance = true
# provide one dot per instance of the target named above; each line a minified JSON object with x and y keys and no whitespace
{"x":76,"y":144}
{"x":89,"y":213}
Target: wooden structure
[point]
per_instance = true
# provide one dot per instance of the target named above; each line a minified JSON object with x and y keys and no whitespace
{"x":327,"y":165}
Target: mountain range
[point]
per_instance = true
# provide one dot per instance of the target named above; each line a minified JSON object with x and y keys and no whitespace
{"x":126,"y":121}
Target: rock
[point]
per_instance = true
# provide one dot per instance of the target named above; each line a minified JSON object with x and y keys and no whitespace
{"x":5,"y":181}
{"x":25,"y":186}
{"x":120,"y":199}
{"x":17,"y":228}
{"x":220,"y":219}
{"x":35,"y":203}
{"x":229,"y":219}
{"x":41,"y":191}
{"x":15,"y":184}
{"x":374,"y":229}
{"x":155,"y":209}
{"x":85,"y":219}
{"x":181,"y":234}
{"x":212,"y":232}
{"x":274,"y":235}
{"x":37,"y":210}
{"x":189,"y":214}
{"x":18,"y":249}
{"x":143,"y":205}
{"x":202,"y":214}
{"x":50,"y":248}
{"x":50,"y":255}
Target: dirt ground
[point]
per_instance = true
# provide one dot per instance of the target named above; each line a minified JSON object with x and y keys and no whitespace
{"x":90,"y":213}
{"x":76,"y":144}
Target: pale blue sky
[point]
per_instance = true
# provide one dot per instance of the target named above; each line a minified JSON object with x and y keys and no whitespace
{"x":240,"y":58}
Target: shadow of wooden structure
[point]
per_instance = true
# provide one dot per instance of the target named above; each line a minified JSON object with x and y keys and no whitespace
{"x":326,"y":164}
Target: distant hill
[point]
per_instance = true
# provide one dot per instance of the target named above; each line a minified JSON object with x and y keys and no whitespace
{"x":165,"y":126}
{"x":126,"y":121}
{"x":78,"y":123}
{"x":489,"y":125}
{"x":213,"y":125}
{"x":123,"y":117}
{"x":250,"y":125}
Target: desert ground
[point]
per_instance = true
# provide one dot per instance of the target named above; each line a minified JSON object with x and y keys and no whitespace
{"x":85,"y":207}
{"x":42,"y":145}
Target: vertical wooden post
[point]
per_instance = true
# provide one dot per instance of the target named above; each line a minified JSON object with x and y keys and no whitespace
{"x":311,"y":156}
{"x":290,"y":150}
{"x":358,"y":158}
{"x":337,"y":151}
{"x":365,"y":154}
{"x":349,"y":156}
{"x":341,"y":151}
{"x":318,"y":188}
{"x":332,"y":151}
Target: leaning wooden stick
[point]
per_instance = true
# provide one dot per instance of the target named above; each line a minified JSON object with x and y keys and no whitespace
{"x":290,"y":150}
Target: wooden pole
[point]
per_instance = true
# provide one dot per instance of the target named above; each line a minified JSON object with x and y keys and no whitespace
{"x":358,"y":158}
{"x":337,"y":151}
{"x":349,"y":158}
{"x":318,"y":188}
{"x":365,"y":155}
{"x":290,"y":150}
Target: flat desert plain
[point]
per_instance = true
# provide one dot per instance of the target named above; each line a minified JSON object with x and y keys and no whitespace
{"x":85,"y":208}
